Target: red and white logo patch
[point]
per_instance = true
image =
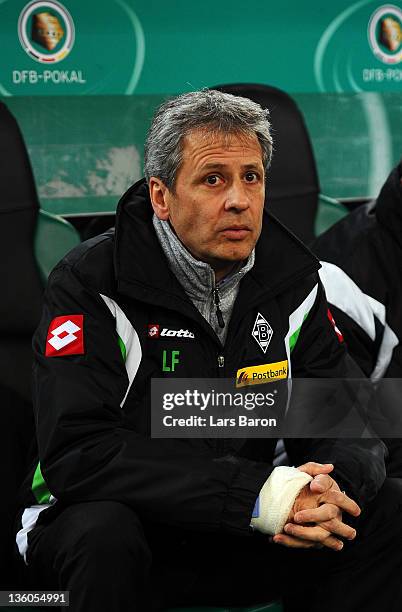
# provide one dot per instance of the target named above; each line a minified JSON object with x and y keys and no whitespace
{"x":153,"y":330}
{"x":334,"y":325}
{"x":65,"y":336}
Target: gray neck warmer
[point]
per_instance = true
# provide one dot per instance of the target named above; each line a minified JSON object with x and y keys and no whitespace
{"x":198,"y":278}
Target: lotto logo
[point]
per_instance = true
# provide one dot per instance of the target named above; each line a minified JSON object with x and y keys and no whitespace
{"x":65,"y":336}
{"x":153,"y":330}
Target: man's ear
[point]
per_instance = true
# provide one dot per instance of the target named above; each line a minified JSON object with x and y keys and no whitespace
{"x":159,"y":194}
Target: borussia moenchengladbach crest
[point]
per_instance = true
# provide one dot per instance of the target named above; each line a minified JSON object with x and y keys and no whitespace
{"x":262,"y":332}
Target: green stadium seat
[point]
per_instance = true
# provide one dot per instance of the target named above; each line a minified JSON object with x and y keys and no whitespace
{"x":54,"y":237}
{"x":329,"y":212}
{"x":24,"y":273}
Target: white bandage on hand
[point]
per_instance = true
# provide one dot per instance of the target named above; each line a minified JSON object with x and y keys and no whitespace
{"x":277,"y":497}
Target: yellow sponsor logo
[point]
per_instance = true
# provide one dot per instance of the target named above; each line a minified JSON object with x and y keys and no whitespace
{"x":258,"y":375}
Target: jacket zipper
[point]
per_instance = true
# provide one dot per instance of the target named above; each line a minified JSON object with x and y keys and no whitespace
{"x":220,"y":446}
{"x":220,"y":443}
{"x":221,"y":321}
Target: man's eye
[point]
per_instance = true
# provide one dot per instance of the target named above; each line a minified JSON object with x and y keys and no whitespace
{"x":213,"y":179}
{"x":251,"y":177}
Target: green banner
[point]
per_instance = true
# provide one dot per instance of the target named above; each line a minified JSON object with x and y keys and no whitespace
{"x":341,"y":61}
{"x":126,"y":46}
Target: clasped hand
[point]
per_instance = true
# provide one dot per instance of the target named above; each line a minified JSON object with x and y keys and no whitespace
{"x":316,"y":517}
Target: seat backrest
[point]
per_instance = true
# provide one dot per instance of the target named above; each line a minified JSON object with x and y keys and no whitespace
{"x":31,"y":242}
{"x":20,"y":305}
{"x":54,"y":237}
{"x":330,"y":211}
{"x":292,"y":182}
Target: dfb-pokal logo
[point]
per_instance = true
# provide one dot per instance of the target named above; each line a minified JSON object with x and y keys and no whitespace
{"x":385,"y":34}
{"x":46,"y":31}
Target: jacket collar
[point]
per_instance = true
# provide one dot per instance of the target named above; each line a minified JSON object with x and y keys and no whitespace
{"x":196,"y":277}
{"x":389,"y":204}
{"x":141,"y":267}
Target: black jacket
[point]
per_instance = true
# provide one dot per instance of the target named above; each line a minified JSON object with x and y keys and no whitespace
{"x":367,"y":245}
{"x":93,"y":408}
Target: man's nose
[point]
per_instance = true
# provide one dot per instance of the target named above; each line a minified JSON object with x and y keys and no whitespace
{"x":237,"y":196}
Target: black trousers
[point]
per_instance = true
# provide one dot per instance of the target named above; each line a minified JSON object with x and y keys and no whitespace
{"x":110,"y":561}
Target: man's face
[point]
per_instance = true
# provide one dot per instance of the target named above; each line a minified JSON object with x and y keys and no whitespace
{"x":217,"y":205}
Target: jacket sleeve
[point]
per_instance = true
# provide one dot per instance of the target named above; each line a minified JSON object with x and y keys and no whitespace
{"x":87,"y":452}
{"x":321,"y":353}
{"x":361,"y":319}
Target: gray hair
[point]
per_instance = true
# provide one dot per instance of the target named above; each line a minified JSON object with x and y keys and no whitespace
{"x":207,"y":108}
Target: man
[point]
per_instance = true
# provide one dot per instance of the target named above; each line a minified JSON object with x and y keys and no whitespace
{"x":361,"y":273}
{"x":193,"y":266}
{"x":367,"y":247}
